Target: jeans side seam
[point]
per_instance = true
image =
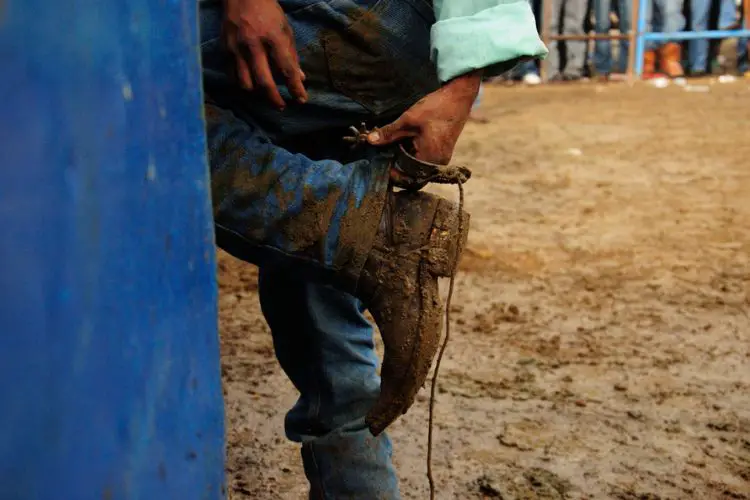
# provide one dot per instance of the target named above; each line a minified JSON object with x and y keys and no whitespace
{"x":319,"y":478}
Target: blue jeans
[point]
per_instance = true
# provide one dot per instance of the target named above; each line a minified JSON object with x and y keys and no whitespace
{"x":665,"y":18}
{"x":742,"y":55}
{"x":525,"y":68}
{"x":291,"y":196}
{"x":700,"y":11}
{"x":478,"y":99}
{"x":603,"y":48}
{"x":325,"y":345}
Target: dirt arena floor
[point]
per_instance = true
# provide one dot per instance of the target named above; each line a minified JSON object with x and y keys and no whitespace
{"x":602,"y":333}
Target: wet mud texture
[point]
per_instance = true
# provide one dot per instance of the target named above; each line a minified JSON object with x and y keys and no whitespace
{"x":400,"y":286}
{"x":602,"y":339}
{"x":242,"y":178}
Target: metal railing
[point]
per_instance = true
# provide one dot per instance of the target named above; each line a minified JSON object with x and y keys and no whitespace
{"x":638,"y":35}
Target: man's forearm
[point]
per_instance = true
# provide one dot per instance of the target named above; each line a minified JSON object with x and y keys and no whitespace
{"x":467,"y":84}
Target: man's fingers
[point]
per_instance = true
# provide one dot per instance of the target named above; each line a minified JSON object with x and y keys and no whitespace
{"x":287,"y":62}
{"x":254,"y":70}
{"x":393,"y":132}
{"x":240,"y":61}
{"x":295,"y":56}
{"x":296,"y":87}
{"x":263,"y":77}
{"x":243,"y":73}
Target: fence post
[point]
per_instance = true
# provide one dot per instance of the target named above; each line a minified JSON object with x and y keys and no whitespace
{"x":109,"y":358}
{"x":643,"y":12}
{"x":546,"y":17}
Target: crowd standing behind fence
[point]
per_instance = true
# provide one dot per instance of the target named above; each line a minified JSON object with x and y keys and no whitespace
{"x":573,"y":60}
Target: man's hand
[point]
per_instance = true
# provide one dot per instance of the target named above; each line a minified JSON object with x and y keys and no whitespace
{"x":435,"y":122}
{"x":257,"y":31}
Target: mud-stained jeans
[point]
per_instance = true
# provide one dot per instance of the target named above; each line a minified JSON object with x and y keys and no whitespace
{"x":290,"y":196}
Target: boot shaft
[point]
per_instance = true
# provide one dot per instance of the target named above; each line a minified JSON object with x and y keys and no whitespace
{"x":649,"y":62}
{"x":670,"y":59}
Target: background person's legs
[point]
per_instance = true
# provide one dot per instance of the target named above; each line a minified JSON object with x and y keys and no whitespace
{"x":670,"y":53}
{"x":743,"y":64}
{"x":478,"y":100}
{"x":477,"y":114}
{"x":625,"y":12}
{"x":698,"y":49}
{"x":553,"y":59}
{"x":574,"y":16}
{"x":727,"y":19}
{"x":671,"y":16}
{"x":602,"y":48}
{"x":325,"y":345}
{"x":528,"y":71}
{"x":567,"y":19}
{"x":654,"y":24}
{"x":700,"y":13}
{"x":727,"y":14}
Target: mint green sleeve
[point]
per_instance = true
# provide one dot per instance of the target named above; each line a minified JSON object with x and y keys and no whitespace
{"x":491,"y":34}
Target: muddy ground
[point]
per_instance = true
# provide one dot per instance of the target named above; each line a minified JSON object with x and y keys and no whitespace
{"x":602,"y":334}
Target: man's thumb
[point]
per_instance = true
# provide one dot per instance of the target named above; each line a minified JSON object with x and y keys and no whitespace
{"x":390,"y":133}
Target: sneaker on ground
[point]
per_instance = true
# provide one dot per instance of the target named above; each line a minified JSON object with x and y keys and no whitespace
{"x":531,"y":79}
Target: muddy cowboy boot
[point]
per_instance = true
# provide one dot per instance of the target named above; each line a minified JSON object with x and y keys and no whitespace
{"x":342,"y":225}
{"x":417,"y":243}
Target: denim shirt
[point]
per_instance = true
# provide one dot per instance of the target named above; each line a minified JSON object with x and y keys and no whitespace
{"x":488,"y":34}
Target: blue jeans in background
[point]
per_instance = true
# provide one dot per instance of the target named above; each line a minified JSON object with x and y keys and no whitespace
{"x":271,"y":170}
{"x":525,"y":68}
{"x":700,"y":11}
{"x":478,"y":100}
{"x":742,"y":55}
{"x":663,"y":16}
{"x":603,"y":48}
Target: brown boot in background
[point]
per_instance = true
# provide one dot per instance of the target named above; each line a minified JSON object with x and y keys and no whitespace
{"x":670,"y":56}
{"x":649,"y":64}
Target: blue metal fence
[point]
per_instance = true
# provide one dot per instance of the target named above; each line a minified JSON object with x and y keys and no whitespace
{"x":642,"y":36}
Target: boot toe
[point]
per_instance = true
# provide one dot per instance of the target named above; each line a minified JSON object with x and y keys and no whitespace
{"x":410,"y":324}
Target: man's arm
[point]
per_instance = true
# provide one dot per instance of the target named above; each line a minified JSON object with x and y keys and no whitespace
{"x":493,"y":35}
{"x":471,"y":39}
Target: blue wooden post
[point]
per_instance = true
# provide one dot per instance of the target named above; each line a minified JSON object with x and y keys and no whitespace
{"x":109,"y":360}
{"x":644,"y":10}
